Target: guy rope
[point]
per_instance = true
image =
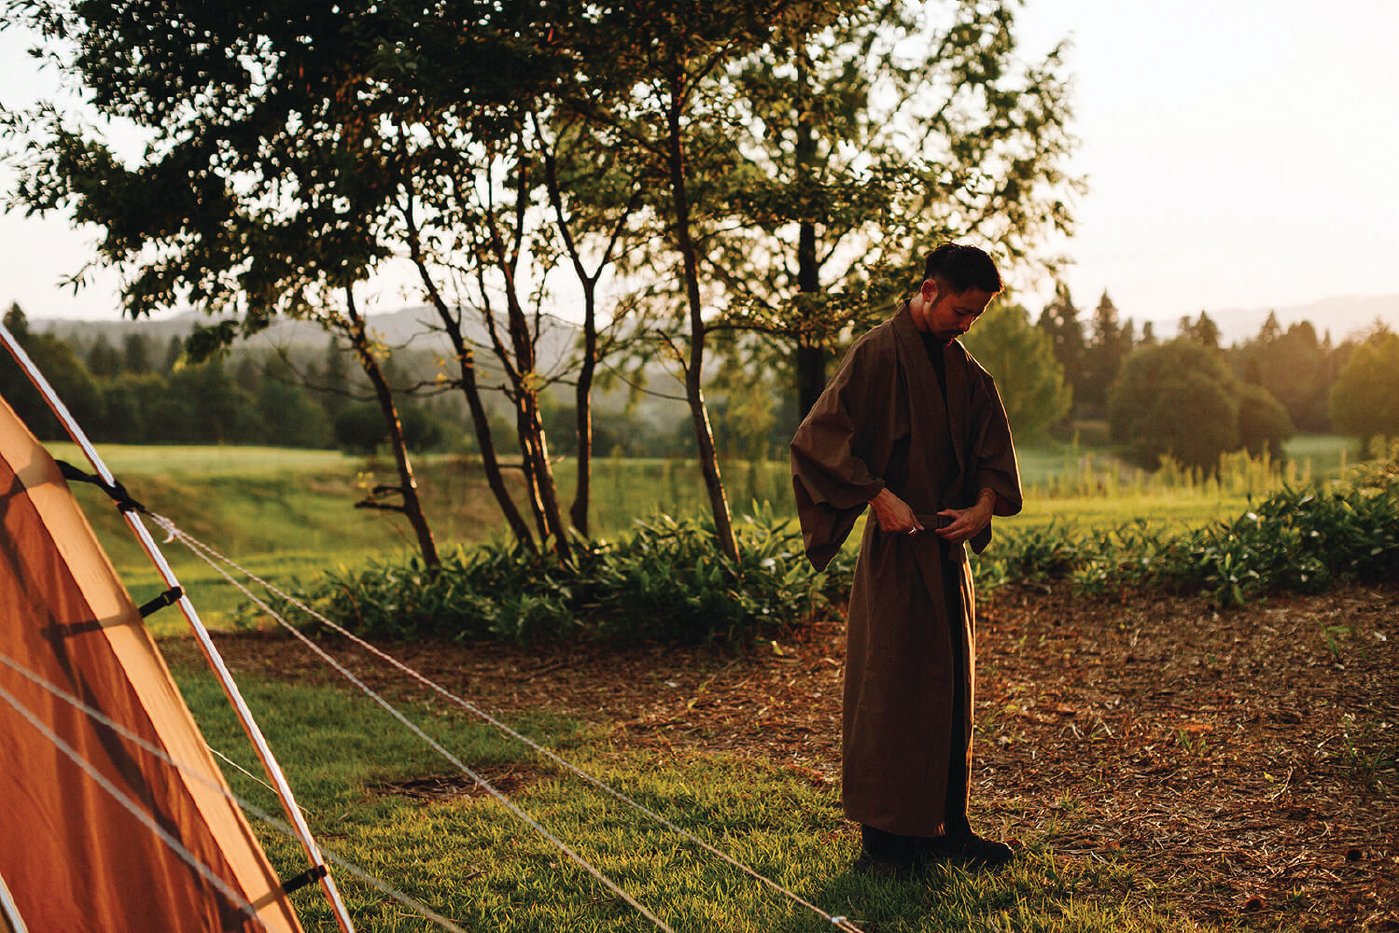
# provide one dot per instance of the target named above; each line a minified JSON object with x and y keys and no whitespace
{"x":132,"y":512}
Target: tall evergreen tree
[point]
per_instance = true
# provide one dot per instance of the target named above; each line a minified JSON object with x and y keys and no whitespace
{"x":1294,"y":366}
{"x":103,"y":360}
{"x":1109,"y":342}
{"x":174,"y":353}
{"x":1060,"y":320}
{"x":1201,"y":330}
{"x":136,"y":354}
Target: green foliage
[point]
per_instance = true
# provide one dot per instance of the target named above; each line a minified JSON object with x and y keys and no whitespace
{"x":1059,"y":319}
{"x":1294,"y":366}
{"x":1300,"y":540}
{"x":1365,"y":397}
{"x":361,"y":428}
{"x":664,"y":581}
{"x":863,"y":138}
{"x":1109,"y":341}
{"x":1263,"y":421}
{"x":1177,"y":398}
{"x":64,"y":370}
{"x":1020,"y":357}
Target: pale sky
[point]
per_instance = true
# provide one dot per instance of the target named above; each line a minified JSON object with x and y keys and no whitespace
{"x":1239,"y":153}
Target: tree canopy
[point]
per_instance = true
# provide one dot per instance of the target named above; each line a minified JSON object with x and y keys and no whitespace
{"x":1365,"y":397}
{"x":1177,"y":399}
{"x":1020,"y":357}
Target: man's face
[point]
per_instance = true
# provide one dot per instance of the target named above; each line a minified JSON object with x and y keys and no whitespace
{"x":951,"y":314}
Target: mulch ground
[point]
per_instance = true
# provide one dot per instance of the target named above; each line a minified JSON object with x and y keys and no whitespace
{"x":1241,"y":762}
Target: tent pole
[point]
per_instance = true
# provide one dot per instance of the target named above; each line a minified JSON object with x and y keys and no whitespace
{"x":9,"y":910}
{"x":201,"y":633}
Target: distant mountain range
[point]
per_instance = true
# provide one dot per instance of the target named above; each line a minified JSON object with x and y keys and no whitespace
{"x":396,"y":328}
{"x":1341,"y":316}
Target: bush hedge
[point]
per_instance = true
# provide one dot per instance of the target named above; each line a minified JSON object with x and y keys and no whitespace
{"x":665,"y":582}
{"x":1298,"y":540}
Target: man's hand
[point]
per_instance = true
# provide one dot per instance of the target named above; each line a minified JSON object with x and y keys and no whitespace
{"x":894,"y":515}
{"x":967,"y":522}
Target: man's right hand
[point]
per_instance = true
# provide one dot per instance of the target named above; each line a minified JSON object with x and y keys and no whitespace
{"x":894,"y":515}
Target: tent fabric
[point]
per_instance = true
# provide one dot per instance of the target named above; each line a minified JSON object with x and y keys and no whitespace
{"x":73,"y":858}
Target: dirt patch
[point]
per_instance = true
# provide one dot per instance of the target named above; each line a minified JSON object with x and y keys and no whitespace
{"x":1241,"y":763}
{"x":455,"y":785}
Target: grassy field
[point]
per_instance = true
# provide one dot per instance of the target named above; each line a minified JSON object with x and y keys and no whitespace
{"x":288,"y":514}
{"x":467,"y":858}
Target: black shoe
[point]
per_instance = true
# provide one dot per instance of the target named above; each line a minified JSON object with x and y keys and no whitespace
{"x":970,"y":848}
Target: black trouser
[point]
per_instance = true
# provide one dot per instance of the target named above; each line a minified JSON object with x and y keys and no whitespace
{"x":955,"y":805}
{"x":883,"y":844}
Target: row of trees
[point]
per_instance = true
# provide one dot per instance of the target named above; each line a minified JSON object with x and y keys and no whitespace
{"x":754,"y":172}
{"x":1193,"y":399}
{"x":131,"y":395}
{"x":1295,"y":365}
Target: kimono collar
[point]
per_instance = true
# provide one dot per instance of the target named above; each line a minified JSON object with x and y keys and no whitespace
{"x":924,"y":382}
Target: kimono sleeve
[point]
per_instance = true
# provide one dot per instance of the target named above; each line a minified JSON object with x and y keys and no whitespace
{"x":831,"y":476}
{"x":992,"y":450}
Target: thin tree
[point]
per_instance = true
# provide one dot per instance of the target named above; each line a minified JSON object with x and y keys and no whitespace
{"x":651,"y":72}
{"x":868,"y":136}
{"x":591,"y":200}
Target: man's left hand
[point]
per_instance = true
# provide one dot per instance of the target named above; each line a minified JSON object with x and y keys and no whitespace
{"x":965,"y":522}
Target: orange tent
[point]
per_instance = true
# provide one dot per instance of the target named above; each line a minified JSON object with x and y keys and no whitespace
{"x":73,"y":855}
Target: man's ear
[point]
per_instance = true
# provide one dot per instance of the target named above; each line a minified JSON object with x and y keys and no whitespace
{"x":929,"y":291}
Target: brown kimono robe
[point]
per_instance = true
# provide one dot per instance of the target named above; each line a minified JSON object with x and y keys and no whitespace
{"x":882,"y":422}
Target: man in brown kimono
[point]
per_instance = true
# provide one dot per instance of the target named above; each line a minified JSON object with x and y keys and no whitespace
{"x":912,"y":427}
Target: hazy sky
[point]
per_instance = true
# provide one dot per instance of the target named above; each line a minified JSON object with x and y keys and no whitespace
{"x":1239,"y":153}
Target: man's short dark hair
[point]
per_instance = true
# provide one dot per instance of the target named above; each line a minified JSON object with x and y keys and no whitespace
{"x":961,"y":268}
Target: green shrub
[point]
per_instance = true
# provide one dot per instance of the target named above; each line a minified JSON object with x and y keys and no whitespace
{"x":663,"y":582}
{"x":666,"y":582}
{"x":1299,"y":540}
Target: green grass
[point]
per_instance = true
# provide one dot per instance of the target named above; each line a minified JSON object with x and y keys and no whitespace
{"x":287,"y":514}
{"x":205,"y":460}
{"x":470,"y":859}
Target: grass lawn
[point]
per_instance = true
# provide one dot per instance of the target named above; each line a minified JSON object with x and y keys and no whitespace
{"x":358,"y":775}
{"x":1163,"y":765}
{"x":375,"y":795}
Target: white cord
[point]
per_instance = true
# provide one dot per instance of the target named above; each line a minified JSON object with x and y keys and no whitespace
{"x":209,"y":555}
{"x":436,"y":746}
{"x":197,"y":775}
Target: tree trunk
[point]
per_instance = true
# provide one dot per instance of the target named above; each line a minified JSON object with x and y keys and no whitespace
{"x":534,"y":445}
{"x":466,"y":369}
{"x":810,"y":360}
{"x":694,"y":390}
{"x":583,"y":400}
{"x":407,"y":485}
